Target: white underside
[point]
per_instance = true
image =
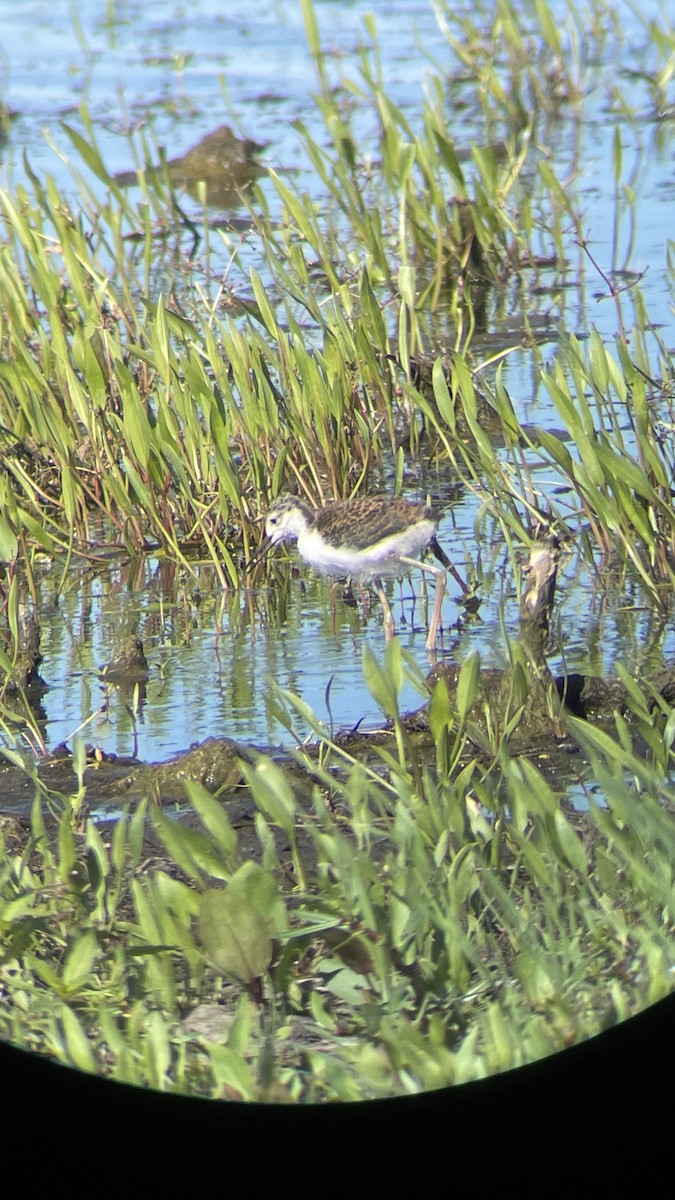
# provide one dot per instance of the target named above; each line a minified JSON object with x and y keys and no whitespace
{"x":366,"y":565}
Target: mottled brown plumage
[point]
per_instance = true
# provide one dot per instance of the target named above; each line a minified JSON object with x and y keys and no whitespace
{"x":361,"y":523}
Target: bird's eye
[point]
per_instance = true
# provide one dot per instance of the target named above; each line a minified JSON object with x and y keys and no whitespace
{"x":273,"y":520}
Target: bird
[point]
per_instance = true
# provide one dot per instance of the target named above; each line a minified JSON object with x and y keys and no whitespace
{"x":365,"y":538}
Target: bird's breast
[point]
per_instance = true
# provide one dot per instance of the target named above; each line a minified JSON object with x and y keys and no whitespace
{"x":369,"y":562}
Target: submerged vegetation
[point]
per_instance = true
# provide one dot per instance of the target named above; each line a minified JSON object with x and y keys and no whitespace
{"x":429,"y":912}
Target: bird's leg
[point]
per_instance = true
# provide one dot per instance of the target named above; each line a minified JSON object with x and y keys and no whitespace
{"x":438,"y":596}
{"x":389,"y":623}
{"x":364,"y":598}
{"x":333,"y":606}
{"x":403,"y":619}
{"x":438,"y":604}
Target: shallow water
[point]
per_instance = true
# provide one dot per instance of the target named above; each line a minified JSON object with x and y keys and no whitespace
{"x":188,"y":69}
{"x":214,"y":660}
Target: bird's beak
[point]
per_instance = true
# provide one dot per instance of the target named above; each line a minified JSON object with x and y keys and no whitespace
{"x":259,"y":554}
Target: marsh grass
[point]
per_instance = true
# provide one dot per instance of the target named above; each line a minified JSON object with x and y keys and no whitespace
{"x":134,"y":402}
{"x":409,"y":924}
{"x":436,"y":926}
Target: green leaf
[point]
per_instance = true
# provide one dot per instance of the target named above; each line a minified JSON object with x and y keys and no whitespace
{"x":266,"y":310}
{"x":88,"y":153}
{"x":440,"y":710}
{"x":231,"y":1071}
{"x":381,"y":682}
{"x":272,"y":793}
{"x":160,"y":344}
{"x":258,"y":887}
{"x":372,"y":310}
{"x":77,"y":1042}
{"x":80,"y":960}
{"x":194,"y":853}
{"x":570,"y":844}
{"x":66,"y":844}
{"x":235,"y":935}
{"x":468,"y":684}
{"x":158,"y":1050}
{"x":9,"y":546}
{"x":557,"y":450}
{"x":212,"y":815}
{"x":540,"y":987}
{"x":442,"y":396}
{"x":617,"y":153}
{"x":137,"y":431}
